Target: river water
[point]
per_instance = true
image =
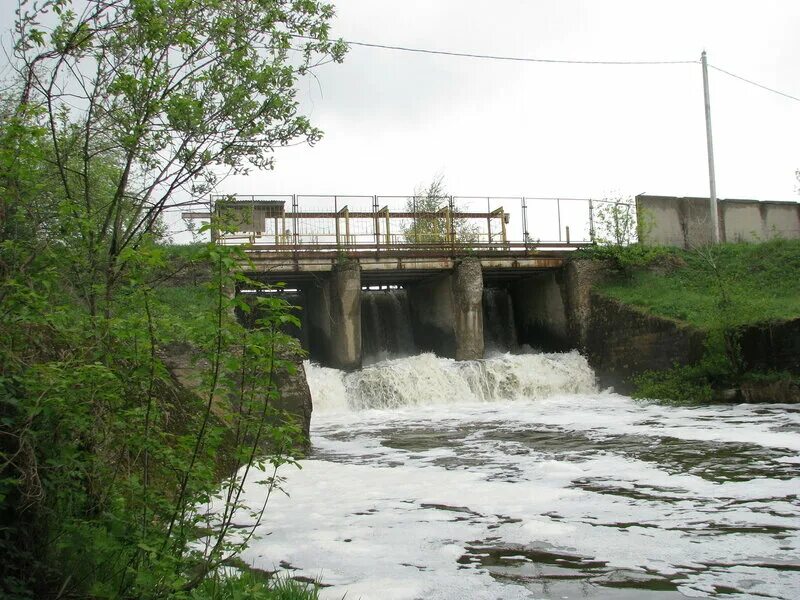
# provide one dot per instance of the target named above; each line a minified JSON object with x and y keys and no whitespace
{"x":516,"y":477}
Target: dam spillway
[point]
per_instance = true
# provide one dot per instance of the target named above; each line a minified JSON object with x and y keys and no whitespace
{"x":464,"y":313}
{"x":385,"y":325}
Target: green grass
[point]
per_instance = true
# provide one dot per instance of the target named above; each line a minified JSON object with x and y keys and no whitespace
{"x":761,"y":282}
{"x":248,"y":585}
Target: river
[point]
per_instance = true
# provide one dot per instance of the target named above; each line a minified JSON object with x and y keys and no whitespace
{"x":516,"y":477}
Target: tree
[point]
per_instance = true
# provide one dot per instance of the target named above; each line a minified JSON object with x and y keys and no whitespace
{"x":615,"y":221}
{"x":173,"y":94}
{"x":429,"y":229}
{"x":121,"y":109}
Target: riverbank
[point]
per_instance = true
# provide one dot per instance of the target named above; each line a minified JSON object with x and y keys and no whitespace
{"x":123,"y":420}
{"x":731,"y":313}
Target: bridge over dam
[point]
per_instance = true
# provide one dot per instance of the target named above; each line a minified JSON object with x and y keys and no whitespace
{"x":375,"y":277}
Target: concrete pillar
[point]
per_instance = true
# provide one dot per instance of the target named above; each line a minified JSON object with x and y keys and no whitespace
{"x":447,"y":312}
{"x":580,"y":276}
{"x":468,"y":309}
{"x":345,"y":304}
{"x":333,"y":316}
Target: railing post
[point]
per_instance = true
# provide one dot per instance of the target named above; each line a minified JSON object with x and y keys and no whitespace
{"x":346,"y":214}
{"x":567,"y":228}
{"x":558,"y":208}
{"x":336,"y":212}
{"x":295,"y":221}
{"x":376,"y":223}
{"x":525,"y":234}
{"x":452,"y":206}
{"x":489,"y":222}
{"x":416,"y":223}
{"x":591,"y":221}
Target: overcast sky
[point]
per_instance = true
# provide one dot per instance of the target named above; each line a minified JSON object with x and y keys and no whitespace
{"x":393,"y":120}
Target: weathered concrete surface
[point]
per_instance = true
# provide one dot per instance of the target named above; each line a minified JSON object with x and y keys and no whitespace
{"x":297,"y":308}
{"x":580,"y":276}
{"x":334,"y":317}
{"x":271,"y":265}
{"x":447,"y":312}
{"x":622,"y":341}
{"x":671,"y":221}
{"x":741,"y":222}
{"x":686,"y":222}
{"x":294,"y":395}
{"x":345,"y":287}
{"x":540,"y":313}
{"x":772,"y":346}
{"x":781,"y":220}
{"x":468,"y":309}
{"x":784,"y":391}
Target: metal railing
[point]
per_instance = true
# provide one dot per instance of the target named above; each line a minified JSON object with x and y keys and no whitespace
{"x":345,"y":222}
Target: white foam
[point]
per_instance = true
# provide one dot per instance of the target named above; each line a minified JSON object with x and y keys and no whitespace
{"x":426,"y":379}
{"x":419,"y":459}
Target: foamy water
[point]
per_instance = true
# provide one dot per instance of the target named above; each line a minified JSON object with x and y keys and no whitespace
{"x":515,"y":477}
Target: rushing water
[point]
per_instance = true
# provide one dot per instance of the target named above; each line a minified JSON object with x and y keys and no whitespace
{"x":515,"y":477}
{"x":499,"y":332}
{"x":384,"y":325}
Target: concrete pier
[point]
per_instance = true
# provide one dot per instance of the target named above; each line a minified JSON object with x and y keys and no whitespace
{"x":468,"y":309}
{"x":334,"y":317}
{"x":447,"y":312}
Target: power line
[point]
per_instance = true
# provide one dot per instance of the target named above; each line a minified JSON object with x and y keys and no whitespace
{"x":513,"y":58}
{"x":556,"y":61}
{"x":763,"y":87}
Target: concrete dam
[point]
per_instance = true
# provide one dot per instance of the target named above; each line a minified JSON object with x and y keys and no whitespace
{"x":381,"y":276}
{"x":349,"y":320}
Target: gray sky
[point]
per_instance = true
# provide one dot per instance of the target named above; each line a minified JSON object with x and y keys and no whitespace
{"x":393,"y":120}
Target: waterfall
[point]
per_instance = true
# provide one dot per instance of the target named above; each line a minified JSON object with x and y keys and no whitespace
{"x":385,"y":325}
{"x":499,"y":332}
{"x":428,"y":379}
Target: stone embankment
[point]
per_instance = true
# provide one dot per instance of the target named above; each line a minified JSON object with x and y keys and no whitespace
{"x":623,"y":341}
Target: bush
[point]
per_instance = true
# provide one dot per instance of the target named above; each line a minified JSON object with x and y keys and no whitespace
{"x":247,"y":585}
{"x":679,"y":385}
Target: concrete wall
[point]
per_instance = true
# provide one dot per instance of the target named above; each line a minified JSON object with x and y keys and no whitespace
{"x":772,"y":346}
{"x":781,"y":219}
{"x":447,"y":312}
{"x":622,"y":342}
{"x":580,"y":276}
{"x":670,"y":221}
{"x":686,"y":222}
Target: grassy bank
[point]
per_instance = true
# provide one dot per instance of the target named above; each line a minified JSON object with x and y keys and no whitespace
{"x":759,"y":282}
{"x":719,"y":290}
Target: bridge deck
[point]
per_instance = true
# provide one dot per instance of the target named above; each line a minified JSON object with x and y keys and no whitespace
{"x":396,"y":265}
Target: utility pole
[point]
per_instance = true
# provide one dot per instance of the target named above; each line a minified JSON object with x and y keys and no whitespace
{"x":711,"y":177}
